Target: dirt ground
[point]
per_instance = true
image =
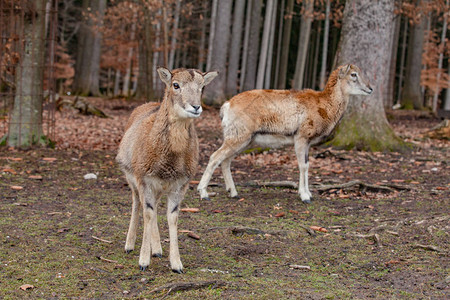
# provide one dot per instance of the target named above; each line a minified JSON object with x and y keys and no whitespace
{"x":63,"y":236}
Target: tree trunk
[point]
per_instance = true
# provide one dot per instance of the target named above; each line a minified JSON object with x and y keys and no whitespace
{"x":280,"y":38}
{"x":389,"y":97}
{"x":145,"y":76}
{"x":25,"y":127}
{"x":235,"y":49}
{"x":441,"y":58}
{"x":303,"y":43}
{"x":215,"y":92}
{"x":201,"y":46}
{"x":412,"y":95}
{"x":323,"y":66}
{"x":264,"y":45}
{"x":253,"y":46}
{"x":364,"y":125}
{"x":87,"y":68}
{"x":285,"y":45}
{"x":173,"y":42}
{"x":127,"y":77}
{"x":212,"y":32}
{"x":402,"y":61}
{"x":248,"y":18}
{"x":268,"y":76}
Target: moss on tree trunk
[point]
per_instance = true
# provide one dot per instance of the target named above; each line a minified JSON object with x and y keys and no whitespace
{"x":357,"y":132}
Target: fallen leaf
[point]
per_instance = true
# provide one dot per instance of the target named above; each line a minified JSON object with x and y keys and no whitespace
{"x":194,"y":182}
{"x":392,"y":262}
{"x":37,"y":177}
{"x":9,"y":170}
{"x":337,"y":171}
{"x":25,"y":287}
{"x":441,"y":188}
{"x":318,"y":228}
{"x":241,"y":200}
{"x":17,"y":187}
{"x":217,"y":211}
{"x":293,"y":212}
{"x":50,"y":159}
{"x":192,"y":209}
{"x":398,"y":180}
{"x":279,"y":215}
{"x":15,"y":158}
{"x":193,"y":236}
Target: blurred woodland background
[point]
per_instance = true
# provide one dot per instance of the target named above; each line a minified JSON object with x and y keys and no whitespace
{"x":112,"y":48}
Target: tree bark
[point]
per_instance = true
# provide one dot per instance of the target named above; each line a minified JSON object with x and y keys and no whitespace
{"x":173,"y":42}
{"x":269,"y":65}
{"x":25,"y":127}
{"x":412,"y":95}
{"x":87,"y":67}
{"x":280,"y":38}
{"x":323,"y":66}
{"x":389,"y":97}
{"x":201,"y":46}
{"x":145,"y":76}
{"x":248,"y":19}
{"x":264,"y":44}
{"x":253,"y":46}
{"x":441,"y":58}
{"x":215,"y":92}
{"x":212,"y":32}
{"x":303,"y":43}
{"x":364,"y":125}
{"x":235,"y":49}
{"x":285,"y":45}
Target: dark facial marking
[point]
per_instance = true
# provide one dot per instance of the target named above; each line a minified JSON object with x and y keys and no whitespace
{"x":149,"y":205}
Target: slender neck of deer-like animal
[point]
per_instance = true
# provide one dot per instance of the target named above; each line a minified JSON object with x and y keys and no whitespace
{"x":175,"y":129}
{"x":336,"y":95}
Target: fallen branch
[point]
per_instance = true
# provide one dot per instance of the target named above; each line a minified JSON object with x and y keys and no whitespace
{"x":107,"y":260}
{"x":101,"y":240}
{"x":389,"y":188}
{"x":428,"y":247}
{"x":185,"y":286}
{"x":300,"y":267}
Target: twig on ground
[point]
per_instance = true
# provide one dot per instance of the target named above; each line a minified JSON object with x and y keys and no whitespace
{"x":185,"y":286}
{"x":107,"y":260}
{"x":101,"y":240}
{"x":300,"y":267}
{"x":428,"y":247}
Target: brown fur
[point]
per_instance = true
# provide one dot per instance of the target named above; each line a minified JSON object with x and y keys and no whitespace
{"x":276,"y":118}
{"x":159,"y":154}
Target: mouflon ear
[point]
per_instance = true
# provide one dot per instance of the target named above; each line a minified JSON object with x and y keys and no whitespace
{"x":344,"y":70}
{"x":165,"y":75}
{"x":209,"y":76}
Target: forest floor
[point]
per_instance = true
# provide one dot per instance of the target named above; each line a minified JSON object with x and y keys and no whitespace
{"x":63,"y":236}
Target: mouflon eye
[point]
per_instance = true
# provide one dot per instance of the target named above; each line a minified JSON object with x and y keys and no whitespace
{"x":176,"y":86}
{"x":354,"y":75}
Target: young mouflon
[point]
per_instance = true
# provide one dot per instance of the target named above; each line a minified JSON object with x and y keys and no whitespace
{"x":275,"y":118}
{"x":159,"y":155}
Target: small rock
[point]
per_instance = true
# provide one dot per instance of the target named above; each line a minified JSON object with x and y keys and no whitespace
{"x":90,"y":176}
